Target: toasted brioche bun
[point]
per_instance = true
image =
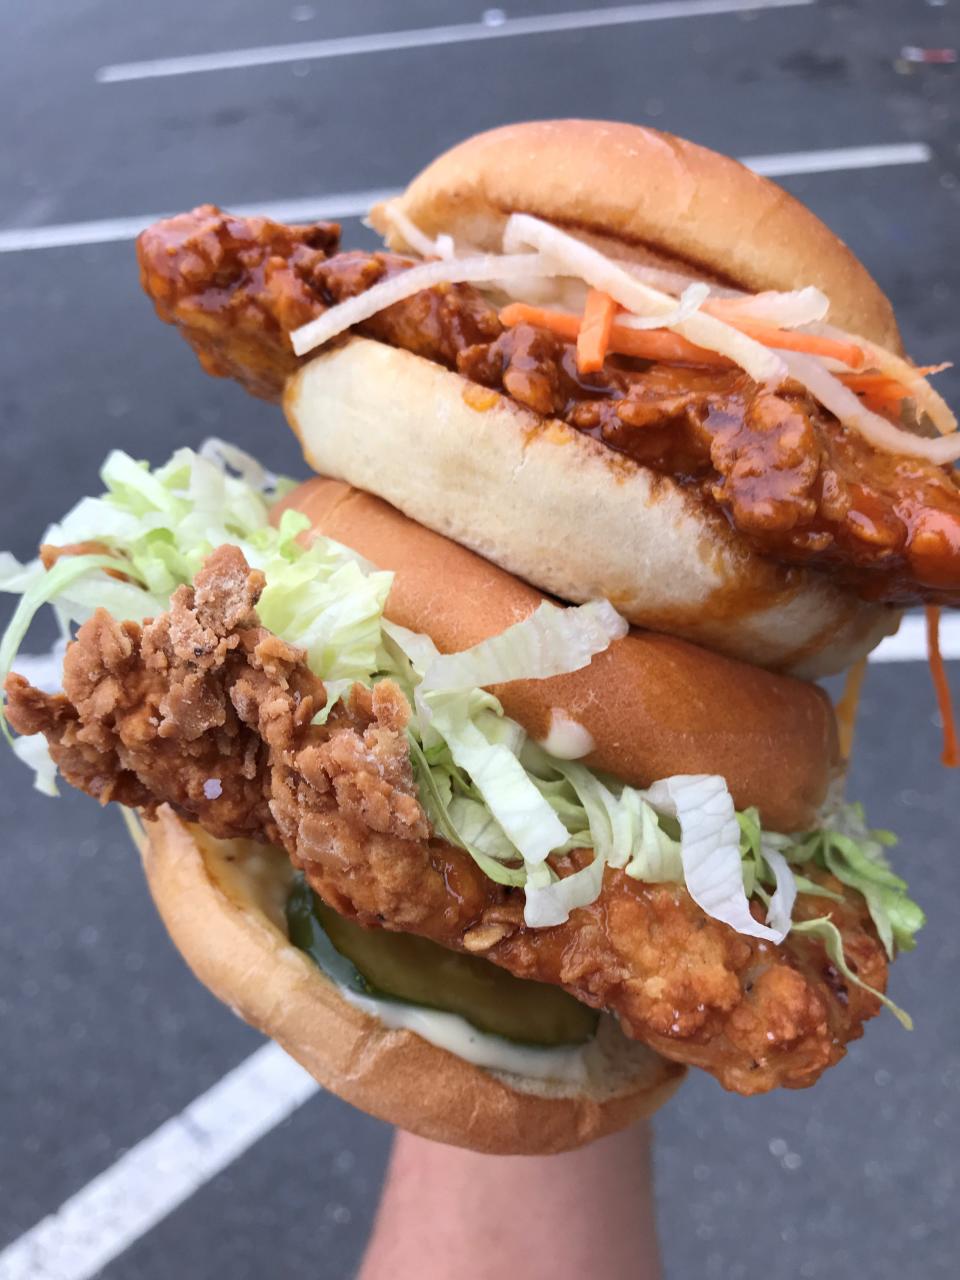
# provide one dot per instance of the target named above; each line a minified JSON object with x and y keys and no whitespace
{"x":653,"y":705}
{"x":222,"y":903}
{"x":544,"y":501}
{"x":688,"y":207}
{"x":564,"y":512}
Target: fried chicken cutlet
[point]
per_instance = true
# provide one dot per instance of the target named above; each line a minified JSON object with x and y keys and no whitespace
{"x":206,"y":711}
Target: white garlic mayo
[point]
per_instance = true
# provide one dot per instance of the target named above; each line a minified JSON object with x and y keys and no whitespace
{"x":566,"y":739}
{"x":566,"y":1064}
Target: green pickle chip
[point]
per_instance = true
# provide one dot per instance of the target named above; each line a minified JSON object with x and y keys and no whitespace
{"x":412,"y":970}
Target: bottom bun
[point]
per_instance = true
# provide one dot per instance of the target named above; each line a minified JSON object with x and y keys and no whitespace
{"x":222,"y":902}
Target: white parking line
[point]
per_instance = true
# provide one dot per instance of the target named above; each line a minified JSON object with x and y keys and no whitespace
{"x":495,"y":26}
{"x":354,"y":204}
{"x":151,"y":1179}
{"x":794,"y":163}
{"x":65,"y":235}
{"x":910,"y":642}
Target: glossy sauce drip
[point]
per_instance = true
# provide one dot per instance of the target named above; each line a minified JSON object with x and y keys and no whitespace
{"x":786,"y":475}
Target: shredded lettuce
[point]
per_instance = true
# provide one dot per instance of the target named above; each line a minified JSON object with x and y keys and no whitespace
{"x":438,"y":808}
{"x":828,"y":933}
{"x":63,"y":585}
{"x":551,"y":642}
{"x":322,"y":600}
{"x":253,"y":473}
{"x":486,"y":746}
{"x":491,"y":763}
{"x":485,"y":786}
{"x":847,"y":848}
{"x":157,"y":528}
{"x":710,"y":852}
{"x":613,"y":819}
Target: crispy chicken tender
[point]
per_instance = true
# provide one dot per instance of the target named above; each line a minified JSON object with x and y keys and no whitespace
{"x":798,"y":487}
{"x":205,"y":710}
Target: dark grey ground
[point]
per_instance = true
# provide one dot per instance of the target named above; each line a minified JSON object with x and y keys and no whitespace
{"x":103,"y":1034}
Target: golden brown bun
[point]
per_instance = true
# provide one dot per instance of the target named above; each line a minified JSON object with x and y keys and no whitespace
{"x":654,"y":705}
{"x":651,"y":190}
{"x":544,"y":501}
{"x":564,"y":512}
{"x":222,"y":903}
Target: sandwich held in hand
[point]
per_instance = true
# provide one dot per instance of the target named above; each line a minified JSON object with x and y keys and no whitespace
{"x":482,"y":770}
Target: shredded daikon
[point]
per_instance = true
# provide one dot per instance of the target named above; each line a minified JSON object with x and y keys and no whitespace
{"x":575,"y":258}
{"x":691,"y":300}
{"x":488,"y":267}
{"x":672,"y":282}
{"x":784,"y":310}
{"x":417,"y":239}
{"x":559,"y":292}
{"x":928,"y":400}
{"x":841,"y":401}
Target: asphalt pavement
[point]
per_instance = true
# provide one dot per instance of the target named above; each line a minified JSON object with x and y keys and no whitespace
{"x":103,"y":1033}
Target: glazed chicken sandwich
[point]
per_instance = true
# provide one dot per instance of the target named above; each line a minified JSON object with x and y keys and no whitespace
{"x":484,"y":771}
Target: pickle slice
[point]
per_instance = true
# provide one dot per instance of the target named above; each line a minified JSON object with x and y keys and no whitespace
{"x":412,"y":970}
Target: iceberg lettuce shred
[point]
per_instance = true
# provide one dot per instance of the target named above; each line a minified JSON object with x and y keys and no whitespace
{"x":484,"y":784}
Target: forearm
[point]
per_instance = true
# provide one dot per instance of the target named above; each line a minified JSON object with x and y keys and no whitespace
{"x":447,"y":1212}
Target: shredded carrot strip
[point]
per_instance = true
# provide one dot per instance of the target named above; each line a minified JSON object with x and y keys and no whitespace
{"x":863,"y":383}
{"x":596,"y":332}
{"x":594,"y":336}
{"x":792,"y":340}
{"x":846,"y":708}
{"x":883,"y":393}
{"x":890,"y":406}
{"x":883,"y":384}
{"x":663,"y":346}
{"x":938,"y":672}
{"x":563,"y":323}
{"x":878,"y":392}
{"x":645,"y":344}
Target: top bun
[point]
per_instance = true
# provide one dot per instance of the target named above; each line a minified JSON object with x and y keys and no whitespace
{"x":666,"y":200}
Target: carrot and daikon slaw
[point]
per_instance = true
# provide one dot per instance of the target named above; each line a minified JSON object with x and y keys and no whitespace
{"x":646,"y":312}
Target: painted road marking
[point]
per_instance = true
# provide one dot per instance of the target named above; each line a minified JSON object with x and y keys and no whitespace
{"x":494,"y":26}
{"x":910,"y":642}
{"x":157,"y":1175}
{"x":67,"y":235}
{"x":799,"y":162}
{"x":354,"y":204}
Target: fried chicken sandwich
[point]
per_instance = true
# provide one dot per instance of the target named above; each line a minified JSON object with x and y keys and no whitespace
{"x":484,"y":771}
